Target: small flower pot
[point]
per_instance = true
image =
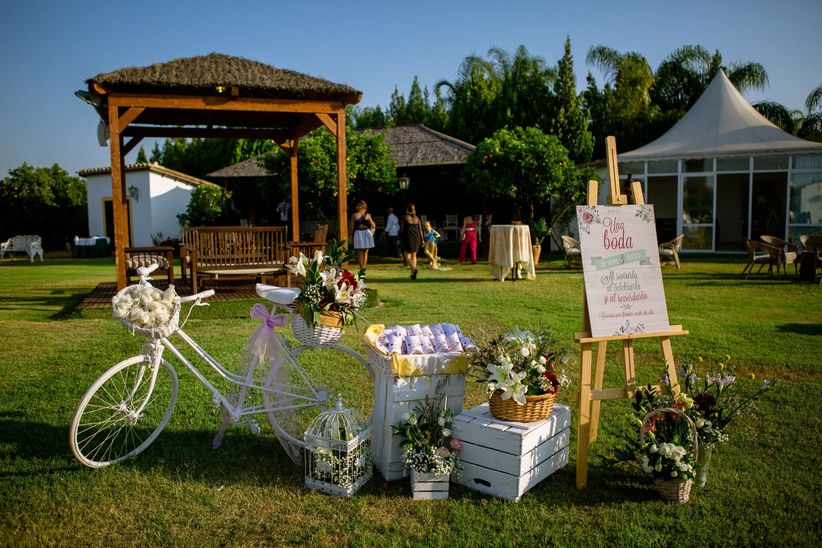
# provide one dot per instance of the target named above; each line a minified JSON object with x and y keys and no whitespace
{"x":428,"y":486}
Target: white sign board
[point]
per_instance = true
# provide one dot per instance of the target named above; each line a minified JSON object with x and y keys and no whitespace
{"x":620,"y":263}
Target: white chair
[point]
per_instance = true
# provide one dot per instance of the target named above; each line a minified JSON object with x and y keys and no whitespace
{"x":451,"y":224}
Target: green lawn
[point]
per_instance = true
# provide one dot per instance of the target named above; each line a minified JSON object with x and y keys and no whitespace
{"x":764,"y":486}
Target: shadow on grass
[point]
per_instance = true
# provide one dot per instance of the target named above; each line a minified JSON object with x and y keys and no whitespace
{"x":67,"y":300}
{"x":801,"y":328}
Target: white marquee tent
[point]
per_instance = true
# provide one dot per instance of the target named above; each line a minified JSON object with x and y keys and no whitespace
{"x":724,"y":172}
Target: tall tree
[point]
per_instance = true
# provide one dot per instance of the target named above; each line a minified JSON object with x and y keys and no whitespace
{"x":807,"y":125}
{"x":570,"y":121}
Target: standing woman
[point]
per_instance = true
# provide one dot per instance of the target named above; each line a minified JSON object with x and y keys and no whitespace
{"x":469,"y":238}
{"x":411,"y":237}
{"x":361,"y":226}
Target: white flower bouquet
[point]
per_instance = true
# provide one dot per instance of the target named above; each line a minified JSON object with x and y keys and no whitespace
{"x":147,"y":310}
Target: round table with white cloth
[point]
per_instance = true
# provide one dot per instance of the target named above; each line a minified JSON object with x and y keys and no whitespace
{"x":510,"y":251}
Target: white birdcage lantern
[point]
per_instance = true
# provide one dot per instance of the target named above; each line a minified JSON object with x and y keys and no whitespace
{"x":337,"y":452}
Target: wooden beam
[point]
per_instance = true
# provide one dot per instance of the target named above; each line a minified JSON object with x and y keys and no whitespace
{"x":228,"y":133}
{"x":327,"y":121}
{"x":615,"y":197}
{"x":129,"y":116}
{"x":295,"y":202}
{"x":238,"y":104}
{"x":129,"y":146}
{"x":342,"y":176}
{"x":118,"y":196}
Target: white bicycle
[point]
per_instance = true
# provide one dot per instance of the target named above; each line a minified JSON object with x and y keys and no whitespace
{"x":128,"y":406}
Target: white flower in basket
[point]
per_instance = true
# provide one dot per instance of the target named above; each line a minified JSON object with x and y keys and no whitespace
{"x":146,"y":310}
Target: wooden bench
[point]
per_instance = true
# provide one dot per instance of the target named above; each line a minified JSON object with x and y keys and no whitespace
{"x":30,"y":244}
{"x":232,"y":252}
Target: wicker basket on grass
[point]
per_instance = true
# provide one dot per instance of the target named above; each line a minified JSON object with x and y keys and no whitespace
{"x":536,"y":408}
{"x":673,"y":490}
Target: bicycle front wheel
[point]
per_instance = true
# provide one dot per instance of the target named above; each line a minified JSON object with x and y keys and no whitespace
{"x":121,"y":414}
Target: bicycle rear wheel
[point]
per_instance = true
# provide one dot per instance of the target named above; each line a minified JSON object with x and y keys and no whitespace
{"x":293,"y":399}
{"x":120,"y":414}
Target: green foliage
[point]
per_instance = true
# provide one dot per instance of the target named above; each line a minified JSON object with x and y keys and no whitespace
{"x":505,"y":91}
{"x":141,"y":156}
{"x":370,"y":167}
{"x":199,"y":157}
{"x":523,"y":164}
{"x":416,"y":109}
{"x":46,"y":201}
{"x":208,"y":206}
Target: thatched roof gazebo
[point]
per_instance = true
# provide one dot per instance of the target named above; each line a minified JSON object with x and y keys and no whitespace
{"x":215,"y":95}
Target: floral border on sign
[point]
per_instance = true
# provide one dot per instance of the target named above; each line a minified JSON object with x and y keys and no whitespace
{"x":645,"y":213}
{"x":589,"y":215}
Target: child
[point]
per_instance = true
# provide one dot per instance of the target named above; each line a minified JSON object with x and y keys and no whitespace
{"x":431,"y":237}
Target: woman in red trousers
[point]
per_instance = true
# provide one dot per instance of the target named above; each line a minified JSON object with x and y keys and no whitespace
{"x":468,"y":237}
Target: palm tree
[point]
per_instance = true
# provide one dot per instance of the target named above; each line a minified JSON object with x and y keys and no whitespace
{"x":807,"y":125}
{"x":683,"y":76}
{"x":629,"y":73}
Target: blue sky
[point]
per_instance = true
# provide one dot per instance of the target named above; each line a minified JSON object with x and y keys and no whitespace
{"x":49,"y":48}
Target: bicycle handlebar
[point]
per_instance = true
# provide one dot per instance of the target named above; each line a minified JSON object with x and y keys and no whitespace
{"x":197,"y":296}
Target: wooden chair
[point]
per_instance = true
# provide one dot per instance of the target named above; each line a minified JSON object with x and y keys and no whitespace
{"x":162,"y":255}
{"x":308,"y":249}
{"x":789,"y":252}
{"x":760,"y":253}
{"x":573,"y":253}
{"x":670,"y":250}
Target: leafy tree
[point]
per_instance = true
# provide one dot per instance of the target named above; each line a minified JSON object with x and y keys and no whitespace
{"x":208,"y":206}
{"x":141,"y":156}
{"x":369,"y":118}
{"x":397,"y":106}
{"x":46,"y":201}
{"x":570,"y":121}
{"x":199,"y":157}
{"x":525,"y":165}
{"x":370,"y":168}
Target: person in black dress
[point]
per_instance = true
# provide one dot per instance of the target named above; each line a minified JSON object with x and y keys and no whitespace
{"x":411,"y":237}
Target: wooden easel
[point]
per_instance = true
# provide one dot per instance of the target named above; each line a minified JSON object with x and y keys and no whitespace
{"x":590,"y":397}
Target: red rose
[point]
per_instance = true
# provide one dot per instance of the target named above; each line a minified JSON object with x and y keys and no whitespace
{"x":347,"y":277}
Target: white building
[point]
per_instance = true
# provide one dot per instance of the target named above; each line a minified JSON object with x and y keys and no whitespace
{"x":155,"y":196}
{"x":724,"y":173}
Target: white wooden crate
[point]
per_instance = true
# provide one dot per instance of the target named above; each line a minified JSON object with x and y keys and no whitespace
{"x":506,"y":459}
{"x":395,"y":395}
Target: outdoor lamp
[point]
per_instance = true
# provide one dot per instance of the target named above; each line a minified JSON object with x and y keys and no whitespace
{"x":404,"y":182}
{"x":134,"y":192}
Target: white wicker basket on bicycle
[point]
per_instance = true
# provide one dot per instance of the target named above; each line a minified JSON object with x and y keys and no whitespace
{"x":146,"y":310}
{"x":328,"y":331}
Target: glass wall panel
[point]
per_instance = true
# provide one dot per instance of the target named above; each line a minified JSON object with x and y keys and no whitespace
{"x":805,"y":214}
{"x":731,"y":211}
{"x":698,"y":212}
{"x":768,"y":204}
{"x":769,"y":163}
{"x":662,"y":194}
{"x":662,"y":166}
{"x":632,"y":167}
{"x":698,"y":165}
{"x":733,"y":164}
{"x":697,"y":238}
{"x":807,"y":161}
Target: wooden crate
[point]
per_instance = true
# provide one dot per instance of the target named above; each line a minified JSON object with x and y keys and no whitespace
{"x":506,"y":459}
{"x":396,"y":395}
